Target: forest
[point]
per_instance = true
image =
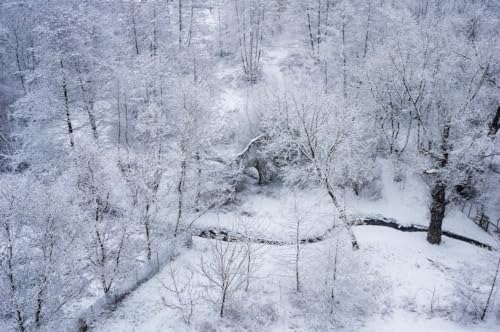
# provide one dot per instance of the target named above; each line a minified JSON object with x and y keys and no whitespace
{"x":250,"y":165}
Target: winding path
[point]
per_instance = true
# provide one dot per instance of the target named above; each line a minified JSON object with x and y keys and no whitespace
{"x":231,"y":236}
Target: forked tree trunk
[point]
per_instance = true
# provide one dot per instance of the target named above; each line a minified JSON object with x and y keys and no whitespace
{"x":437,"y":213}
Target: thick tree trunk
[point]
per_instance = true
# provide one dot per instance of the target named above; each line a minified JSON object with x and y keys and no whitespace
{"x":38,"y":312}
{"x":495,"y":124}
{"x":437,"y":213}
{"x":223,"y":303}
{"x":261,"y":171}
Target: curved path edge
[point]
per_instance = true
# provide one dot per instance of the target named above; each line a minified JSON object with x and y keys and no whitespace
{"x":232,"y":236}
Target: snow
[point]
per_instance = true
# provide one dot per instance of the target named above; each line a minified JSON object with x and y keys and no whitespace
{"x":271,"y":213}
{"x":413,"y":265}
{"x":396,"y":281}
{"x":415,"y":272}
{"x":411,"y":322}
{"x":408,"y":203}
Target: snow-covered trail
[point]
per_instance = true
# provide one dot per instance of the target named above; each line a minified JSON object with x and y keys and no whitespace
{"x":234,"y":236}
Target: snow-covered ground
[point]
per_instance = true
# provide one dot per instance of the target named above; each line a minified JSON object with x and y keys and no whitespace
{"x":271,"y":211}
{"x":418,"y":278}
{"x":420,"y":283}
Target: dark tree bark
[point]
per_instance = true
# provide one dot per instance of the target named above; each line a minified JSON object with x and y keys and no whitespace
{"x":437,"y":213}
{"x":10,"y":276}
{"x":39,"y":304}
{"x":66,"y":107}
{"x":495,"y":124}
{"x":148,"y":240}
{"x":261,"y":168}
{"x":180,"y":23}
{"x":134,"y":29}
{"x":180,"y":191}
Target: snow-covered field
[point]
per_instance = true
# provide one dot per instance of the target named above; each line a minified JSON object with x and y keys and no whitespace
{"x":415,"y":285}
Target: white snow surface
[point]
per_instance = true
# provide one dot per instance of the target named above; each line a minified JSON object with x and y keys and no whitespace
{"x":414,"y":273}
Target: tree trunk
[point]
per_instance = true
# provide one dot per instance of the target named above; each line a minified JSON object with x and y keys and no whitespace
{"x":311,"y":38}
{"x":344,"y":55}
{"x":66,"y":107}
{"x":495,"y":124}
{"x":180,"y":23}
{"x":437,"y":213}
{"x":342,"y":215}
{"x":198,"y":182}
{"x":365,"y":48}
{"x":148,"y":240}
{"x":221,"y":52}
{"x":38,"y":313}
{"x":493,"y":284}
{"x":260,"y":166}
{"x":222,"y":304}
{"x":10,"y":275}
{"x":180,"y":191}
{"x":249,"y":267}
{"x":18,"y":61}
{"x":297,"y":257}
{"x":89,"y":106}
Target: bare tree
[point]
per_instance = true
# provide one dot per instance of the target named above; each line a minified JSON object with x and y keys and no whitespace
{"x":250,"y":22}
{"x":184,"y":292}
{"x":490,"y":293}
{"x":225,"y":270}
